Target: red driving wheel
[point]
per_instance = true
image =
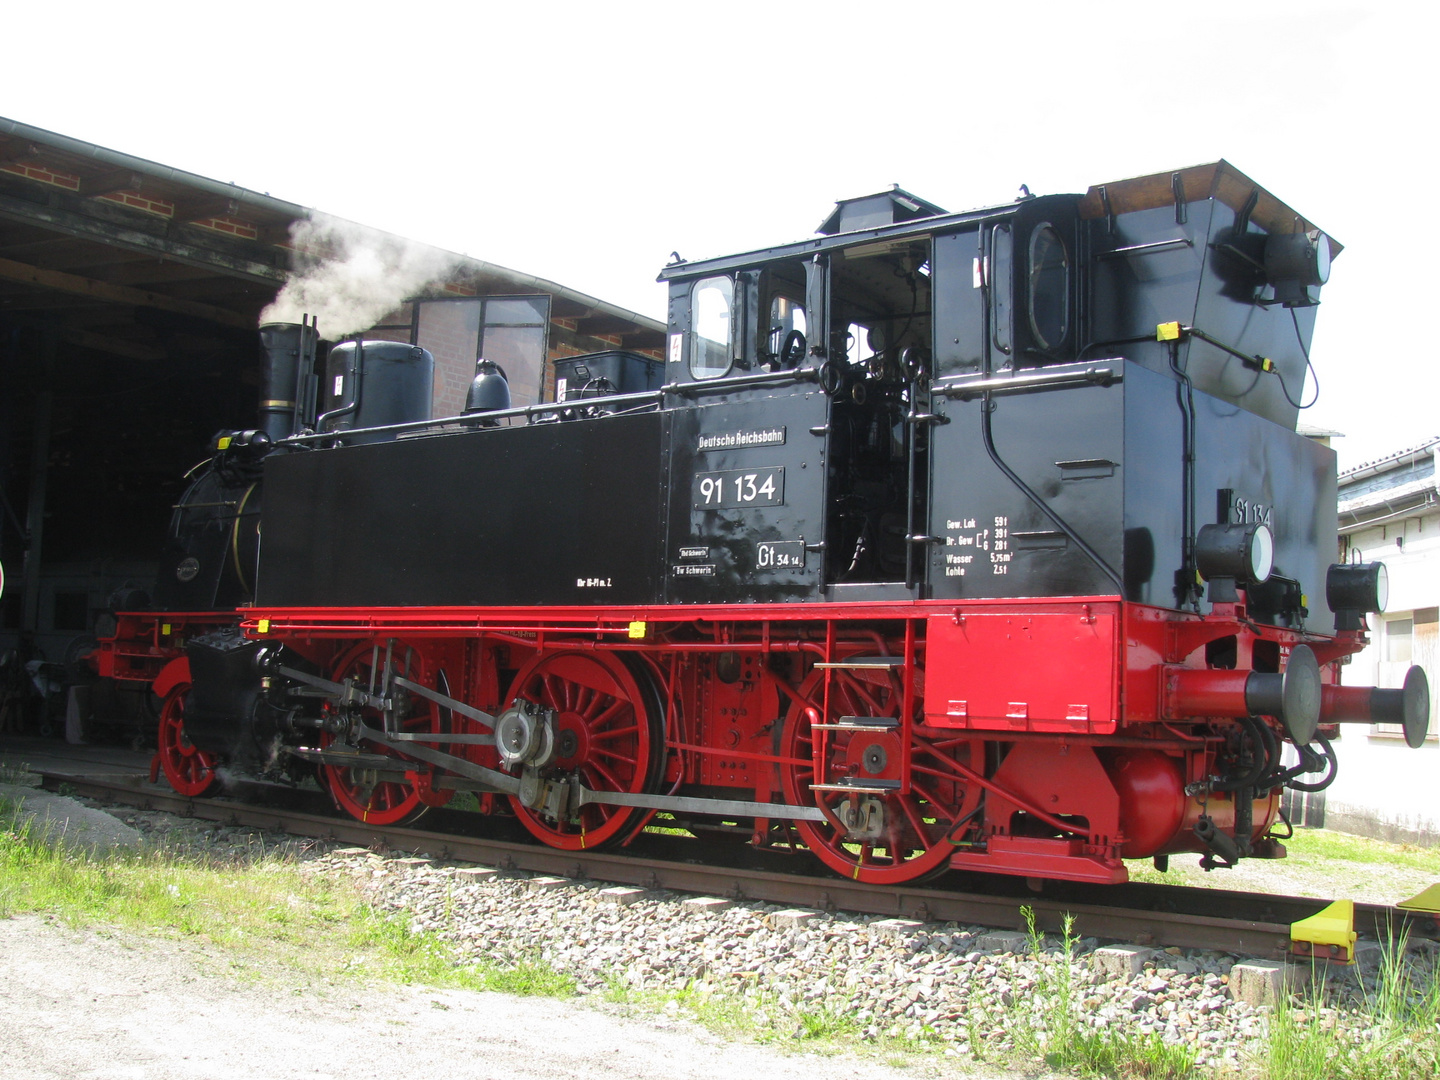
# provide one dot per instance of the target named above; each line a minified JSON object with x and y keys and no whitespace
{"x":376,"y":796}
{"x":189,"y":770}
{"x":607,"y":735}
{"x":882,"y":836}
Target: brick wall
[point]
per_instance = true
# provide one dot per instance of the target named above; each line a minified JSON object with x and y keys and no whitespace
{"x":138,"y":200}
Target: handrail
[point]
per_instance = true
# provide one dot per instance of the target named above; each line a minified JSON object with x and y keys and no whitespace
{"x":644,"y":397}
{"x":998,"y":385}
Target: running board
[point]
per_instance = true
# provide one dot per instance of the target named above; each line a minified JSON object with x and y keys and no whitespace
{"x":859,"y":723}
{"x":874,"y":787}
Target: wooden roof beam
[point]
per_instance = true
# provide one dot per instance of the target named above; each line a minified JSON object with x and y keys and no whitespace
{"x":203,"y":208}
{"x":110,"y":224}
{"x":276,"y":233}
{"x":643,"y":339}
{"x":109,"y":182}
{"x":564,"y":308}
{"x":144,"y":271}
{"x":74,"y":285}
{"x":18,"y":150}
{"x":604,"y":324}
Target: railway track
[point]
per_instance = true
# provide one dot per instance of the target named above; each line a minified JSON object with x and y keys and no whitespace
{"x":1246,"y":924}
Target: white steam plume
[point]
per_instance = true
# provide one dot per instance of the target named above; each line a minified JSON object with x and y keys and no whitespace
{"x":349,"y":276}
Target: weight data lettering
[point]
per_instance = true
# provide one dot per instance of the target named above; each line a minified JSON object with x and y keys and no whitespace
{"x":965,"y":536}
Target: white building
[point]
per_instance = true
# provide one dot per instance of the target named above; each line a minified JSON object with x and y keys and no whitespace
{"x":1390,"y":513}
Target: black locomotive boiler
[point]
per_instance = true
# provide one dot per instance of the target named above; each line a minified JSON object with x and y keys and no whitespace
{"x":979,"y":540}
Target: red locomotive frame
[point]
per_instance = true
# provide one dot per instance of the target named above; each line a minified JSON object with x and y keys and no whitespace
{"x":786,"y":705}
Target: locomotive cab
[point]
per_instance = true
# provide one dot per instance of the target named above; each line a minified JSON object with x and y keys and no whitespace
{"x":941,"y":344}
{"x":846,"y":337}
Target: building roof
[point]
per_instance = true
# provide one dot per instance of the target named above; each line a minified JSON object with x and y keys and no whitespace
{"x":1398,"y":485}
{"x":1390,"y":461}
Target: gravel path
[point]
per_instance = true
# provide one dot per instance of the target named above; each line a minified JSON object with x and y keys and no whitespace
{"x":87,"y":1006}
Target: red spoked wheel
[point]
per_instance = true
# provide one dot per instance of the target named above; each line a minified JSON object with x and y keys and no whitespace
{"x":608,"y":735}
{"x":879,"y":836}
{"x":384,"y":796}
{"x":189,"y":770}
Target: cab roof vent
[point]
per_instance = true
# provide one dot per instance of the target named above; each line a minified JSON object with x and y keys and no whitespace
{"x":874,"y":211}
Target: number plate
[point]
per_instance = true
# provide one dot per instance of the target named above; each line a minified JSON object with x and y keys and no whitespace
{"x":780,"y":555}
{"x":739,"y":488}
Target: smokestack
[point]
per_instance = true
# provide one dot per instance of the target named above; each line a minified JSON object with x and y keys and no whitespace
{"x":285,"y":377}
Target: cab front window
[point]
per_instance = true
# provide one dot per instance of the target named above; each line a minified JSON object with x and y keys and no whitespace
{"x":1049,"y":287}
{"x":711,"y":301}
{"x":785,"y":344}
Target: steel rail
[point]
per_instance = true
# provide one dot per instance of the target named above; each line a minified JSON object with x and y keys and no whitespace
{"x":1265,"y":934}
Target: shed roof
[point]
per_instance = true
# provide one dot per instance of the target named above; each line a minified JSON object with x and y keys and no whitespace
{"x":96,"y":234}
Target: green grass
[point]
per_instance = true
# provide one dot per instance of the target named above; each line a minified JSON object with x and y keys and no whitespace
{"x":1326,"y":846}
{"x":756,"y":1014}
{"x":1394,"y":1036}
{"x":16,"y":773}
{"x":263,"y":915}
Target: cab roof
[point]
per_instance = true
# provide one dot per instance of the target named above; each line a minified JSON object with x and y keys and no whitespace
{"x":1218,"y":180}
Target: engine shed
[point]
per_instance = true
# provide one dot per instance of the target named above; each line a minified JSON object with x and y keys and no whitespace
{"x":130,"y":296}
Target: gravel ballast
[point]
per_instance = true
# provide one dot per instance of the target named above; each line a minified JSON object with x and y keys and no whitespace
{"x":936,"y":983}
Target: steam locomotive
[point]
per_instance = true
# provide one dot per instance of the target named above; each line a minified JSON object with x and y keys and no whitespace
{"x":974,"y":540}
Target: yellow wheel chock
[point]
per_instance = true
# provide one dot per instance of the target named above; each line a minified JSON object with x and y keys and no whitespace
{"x":1423,"y":904}
{"x":1328,"y":935}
